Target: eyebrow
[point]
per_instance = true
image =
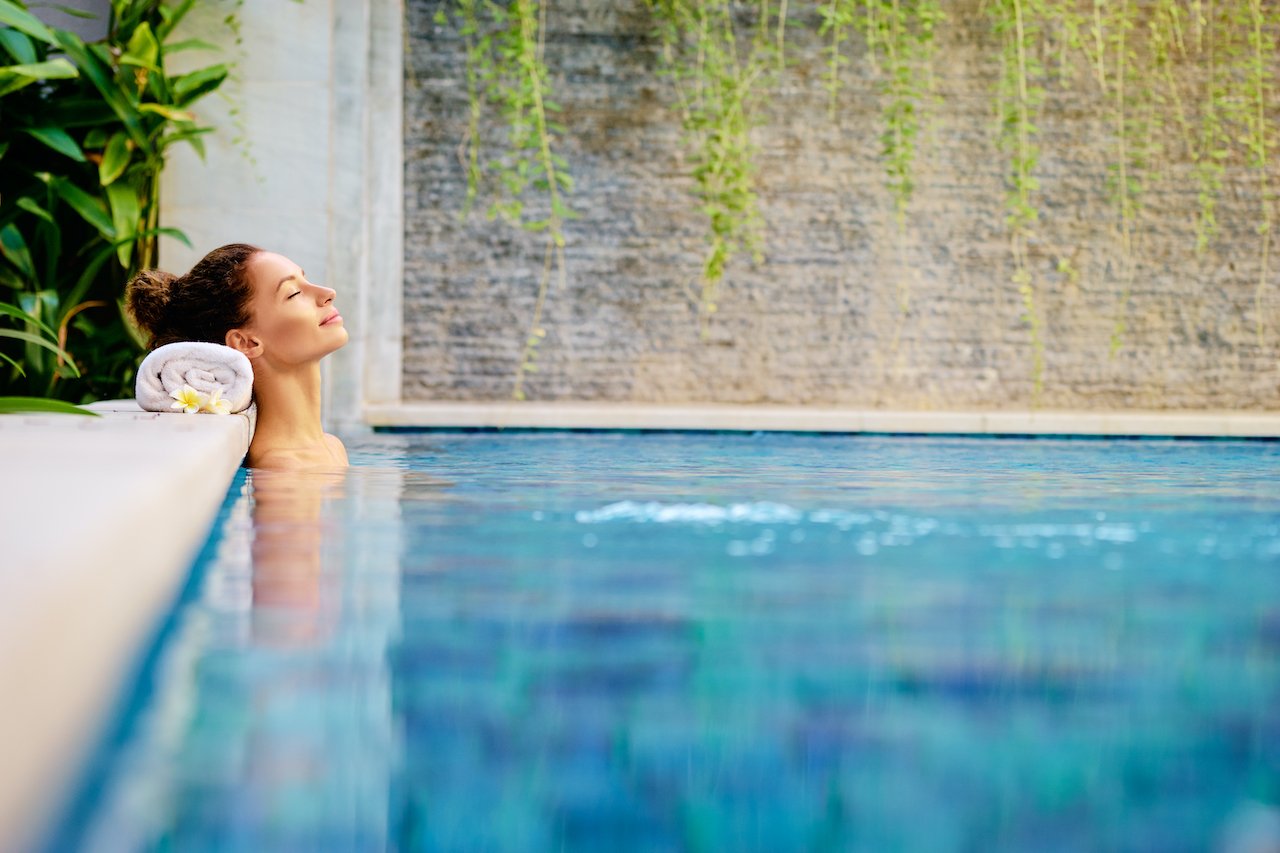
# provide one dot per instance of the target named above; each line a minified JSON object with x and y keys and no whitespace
{"x":290,"y":278}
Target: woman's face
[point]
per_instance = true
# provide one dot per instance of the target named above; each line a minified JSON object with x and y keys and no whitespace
{"x":292,"y":318}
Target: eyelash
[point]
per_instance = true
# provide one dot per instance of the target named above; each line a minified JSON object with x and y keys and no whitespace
{"x":291,"y":295}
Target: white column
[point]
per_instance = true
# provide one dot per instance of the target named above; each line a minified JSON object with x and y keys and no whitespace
{"x":306,"y":160}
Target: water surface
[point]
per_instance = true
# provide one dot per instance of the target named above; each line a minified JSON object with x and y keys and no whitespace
{"x":620,"y":641}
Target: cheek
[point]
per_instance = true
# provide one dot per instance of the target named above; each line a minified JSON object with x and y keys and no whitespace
{"x":281,"y":326}
{"x":286,"y":318}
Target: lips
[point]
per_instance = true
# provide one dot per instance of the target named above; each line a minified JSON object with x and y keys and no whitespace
{"x":335,"y":317}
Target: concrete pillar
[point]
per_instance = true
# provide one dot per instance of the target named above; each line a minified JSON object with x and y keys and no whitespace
{"x":305,"y":161}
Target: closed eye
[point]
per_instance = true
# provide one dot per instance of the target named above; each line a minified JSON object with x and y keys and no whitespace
{"x":295,"y":293}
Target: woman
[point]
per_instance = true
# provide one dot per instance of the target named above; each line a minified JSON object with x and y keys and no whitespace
{"x":261,"y":304}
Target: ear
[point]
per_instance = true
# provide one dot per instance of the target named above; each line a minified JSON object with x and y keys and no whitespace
{"x":245,"y":342}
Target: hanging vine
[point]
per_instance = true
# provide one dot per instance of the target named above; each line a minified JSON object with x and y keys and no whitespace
{"x":1262,"y":48}
{"x":1124,"y":176}
{"x":505,"y":70}
{"x":719,"y":84}
{"x":1017,"y":22}
{"x":1210,"y":165}
{"x":899,"y":36}
{"x":1186,"y":88}
{"x":902,"y":31}
{"x":837,"y":19}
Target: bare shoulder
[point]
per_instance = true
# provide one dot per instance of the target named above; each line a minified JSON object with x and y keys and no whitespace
{"x":279,"y":459}
{"x":336,"y":447}
{"x":325,"y":455}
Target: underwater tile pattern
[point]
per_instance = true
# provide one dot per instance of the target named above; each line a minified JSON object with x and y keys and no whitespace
{"x":629,"y":641}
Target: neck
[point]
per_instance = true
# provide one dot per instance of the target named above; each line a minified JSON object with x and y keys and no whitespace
{"x":288,"y":403}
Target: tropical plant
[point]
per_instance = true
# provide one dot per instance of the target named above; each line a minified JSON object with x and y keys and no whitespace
{"x":45,"y":338}
{"x":84,"y":131}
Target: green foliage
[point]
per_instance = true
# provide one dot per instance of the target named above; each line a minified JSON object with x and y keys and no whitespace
{"x":900,"y":47}
{"x":84,"y":130}
{"x":505,"y":71}
{"x":19,"y":405}
{"x":900,"y":43}
{"x":1021,"y":95}
{"x":720,"y":84}
{"x":1213,"y":118}
{"x":1214,"y":148}
{"x":838,"y":18}
{"x":1257,"y":139}
{"x":1184,"y":91}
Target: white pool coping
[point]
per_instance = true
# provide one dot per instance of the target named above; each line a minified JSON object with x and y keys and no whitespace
{"x":102,"y":519}
{"x":753,"y":418}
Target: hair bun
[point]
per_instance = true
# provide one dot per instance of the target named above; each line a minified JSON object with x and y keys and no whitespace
{"x":147,"y":298}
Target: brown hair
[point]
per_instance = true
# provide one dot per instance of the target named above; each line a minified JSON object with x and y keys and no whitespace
{"x":202,"y":305}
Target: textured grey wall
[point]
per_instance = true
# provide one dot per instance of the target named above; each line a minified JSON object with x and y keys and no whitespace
{"x":819,"y":321}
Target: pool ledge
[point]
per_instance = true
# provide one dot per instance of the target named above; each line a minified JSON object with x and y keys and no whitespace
{"x":752,"y":418}
{"x":102,"y":518}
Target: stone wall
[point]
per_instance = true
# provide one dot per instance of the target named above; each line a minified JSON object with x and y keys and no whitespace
{"x":821,"y":319}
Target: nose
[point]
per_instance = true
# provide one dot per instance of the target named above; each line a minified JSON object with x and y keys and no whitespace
{"x":324,"y":295}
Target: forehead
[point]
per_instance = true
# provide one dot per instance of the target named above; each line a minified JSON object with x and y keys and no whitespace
{"x":267,"y":268}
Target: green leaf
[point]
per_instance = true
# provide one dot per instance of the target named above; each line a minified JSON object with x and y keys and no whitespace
{"x":115,"y":157}
{"x":90,"y":273}
{"x":40,"y":342}
{"x":14,"y":248}
{"x":188,"y":87}
{"x":57,"y":139}
{"x":30,"y":205}
{"x":4,"y":146}
{"x":89,"y":207}
{"x":192,"y":136}
{"x":124,"y":215}
{"x":171,"y":113}
{"x":139,"y":337}
{"x":76,"y":13}
{"x":95,"y":138}
{"x":14,"y":405}
{"x":10,"y":279}
{"x":15,"y":77}
{"x":189,"y":44}
{"x":20,"y":19}
{"x":18,"y":313}
{"x":53,"y":69}
{"x":16,"y":366}
{"x":172,"y":16}
{"x":68,"y":111}
{"x":99,"y":73}
{"x":18,"y":46}
{"x":561,"y":209}
{"x":143,"y":50}
{"x":40,"y":302}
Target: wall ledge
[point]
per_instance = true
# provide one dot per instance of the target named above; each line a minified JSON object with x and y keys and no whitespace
{"x":756,"y":418}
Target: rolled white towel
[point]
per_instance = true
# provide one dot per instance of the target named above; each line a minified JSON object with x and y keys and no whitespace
{"x":204,"y":366}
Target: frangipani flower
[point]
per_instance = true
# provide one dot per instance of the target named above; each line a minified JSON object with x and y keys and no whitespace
{"x":215,"y":405}
{"x":188,"y":399}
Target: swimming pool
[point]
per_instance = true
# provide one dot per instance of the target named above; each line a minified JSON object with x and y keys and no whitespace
{"x":717,"y":641}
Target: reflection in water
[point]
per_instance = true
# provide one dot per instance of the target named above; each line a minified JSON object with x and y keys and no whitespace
{"x":271,"y":718}
{"x":291,"y":604}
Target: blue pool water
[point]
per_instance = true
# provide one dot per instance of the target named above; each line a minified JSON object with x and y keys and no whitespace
{"x":718,"y":642}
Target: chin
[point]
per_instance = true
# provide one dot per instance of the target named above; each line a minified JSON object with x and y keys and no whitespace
{"x":340,"y":342}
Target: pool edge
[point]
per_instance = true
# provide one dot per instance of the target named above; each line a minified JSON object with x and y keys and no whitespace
{"x":753,"y":418}
{"x":131,"y":496}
